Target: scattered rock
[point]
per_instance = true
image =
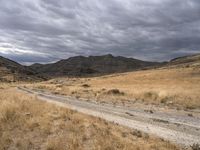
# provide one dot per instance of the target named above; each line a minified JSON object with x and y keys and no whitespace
{"x":195,"y":147}
{"x":129,"y":114}
{"x":149,"y":111}
{"x":27,"y":114}
{"x":190,"y":115}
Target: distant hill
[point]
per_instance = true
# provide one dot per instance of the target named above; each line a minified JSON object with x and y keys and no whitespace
{"x":92,"y":65}
{"x":11,"y":71}
{"x":186,"y":61}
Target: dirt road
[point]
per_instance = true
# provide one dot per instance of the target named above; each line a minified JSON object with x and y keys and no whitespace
{"x":181,"y":128}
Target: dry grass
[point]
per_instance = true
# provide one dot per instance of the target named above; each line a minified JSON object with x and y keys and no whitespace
{"x":27,"y":123}
{"x":177,"y":87}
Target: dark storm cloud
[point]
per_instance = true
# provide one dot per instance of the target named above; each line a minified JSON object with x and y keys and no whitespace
{"x":49,"y":30}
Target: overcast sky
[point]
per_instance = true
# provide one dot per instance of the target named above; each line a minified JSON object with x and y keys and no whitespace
{"x":49,"y":30}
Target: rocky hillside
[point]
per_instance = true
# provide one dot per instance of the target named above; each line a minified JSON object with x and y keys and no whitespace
{"x":92,"y":65}
{"x":11,"y":71}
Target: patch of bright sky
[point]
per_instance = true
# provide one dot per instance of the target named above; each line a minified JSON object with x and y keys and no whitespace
{"x":5,"y":50}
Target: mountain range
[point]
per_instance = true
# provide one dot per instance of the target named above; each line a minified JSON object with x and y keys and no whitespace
{"x":84,"y":66}
{"x":92,"y":65}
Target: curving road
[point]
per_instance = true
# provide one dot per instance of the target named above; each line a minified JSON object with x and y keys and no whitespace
{"x":173,"y":126}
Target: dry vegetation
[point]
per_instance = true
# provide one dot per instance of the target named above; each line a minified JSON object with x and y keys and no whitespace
{"x":27,"y":123}
{"x":177,"y":87}
{"x":5,"y":75}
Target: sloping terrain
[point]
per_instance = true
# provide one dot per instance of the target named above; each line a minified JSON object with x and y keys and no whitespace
{"x":173,"y":85}
{"x":81,"y":66}
{"x":11,"y":71}
{"x":186,"y":61}
{"x":29,"y":124}
{"x":175,"y":126}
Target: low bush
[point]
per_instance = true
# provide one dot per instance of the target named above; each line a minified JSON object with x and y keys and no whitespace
{"x":115,"y":92}
{"x":85,"y":85}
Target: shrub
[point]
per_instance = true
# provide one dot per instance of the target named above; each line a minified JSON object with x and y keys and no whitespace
{"x":151,"y":95}
{"x":137,"y":133}
{"x":85,"y":85}
{"x":115,"y":92}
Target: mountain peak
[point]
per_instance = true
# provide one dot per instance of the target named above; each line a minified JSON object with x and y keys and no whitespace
{"x":81,"y":66}
{"x":108,"y":55}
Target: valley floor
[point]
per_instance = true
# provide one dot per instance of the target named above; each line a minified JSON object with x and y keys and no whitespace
{"x":27,"y":123}
{"x":168,"y":87}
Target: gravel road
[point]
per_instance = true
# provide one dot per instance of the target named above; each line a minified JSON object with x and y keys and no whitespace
{"x":179,"y":128}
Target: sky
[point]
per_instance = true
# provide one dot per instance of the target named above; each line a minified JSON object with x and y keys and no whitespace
{"x":49,"y":30}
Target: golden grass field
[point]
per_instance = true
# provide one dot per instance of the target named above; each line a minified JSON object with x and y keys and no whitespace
{"x":27,"y":123}
{"x":173,"y":87}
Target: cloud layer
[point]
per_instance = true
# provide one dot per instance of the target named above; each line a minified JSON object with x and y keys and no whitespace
{"x":49,"y":30}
